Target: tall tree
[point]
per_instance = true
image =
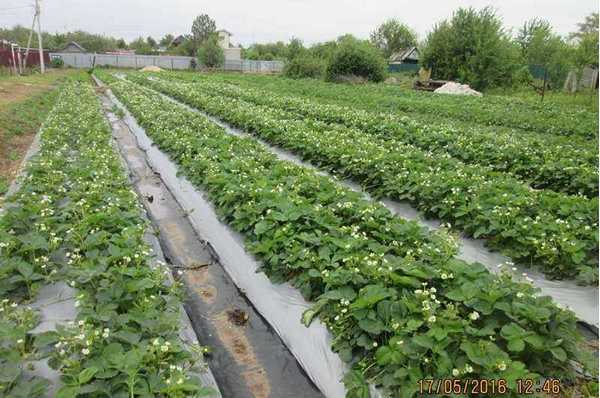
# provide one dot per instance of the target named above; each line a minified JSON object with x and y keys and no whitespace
{"x":295,"y":48}
{"x":392,"y":36}
{"x":472,"y":47}
{"x":589,"y":25}
{"x":586,"y":41}
{"x":202,"y":28}
{"x":151,"y":42}
{"x":210,"y":53}
{"x":167,"y":40}
{"x":141,"y":46}
{"x":541,"y":46}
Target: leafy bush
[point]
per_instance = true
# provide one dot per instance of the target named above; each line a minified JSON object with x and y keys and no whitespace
{"x":210,"y":54}
{"x":473,"y":48}
{"x":304,"y":66}
{"x":57,"y":63}
{"x":358,"y":58}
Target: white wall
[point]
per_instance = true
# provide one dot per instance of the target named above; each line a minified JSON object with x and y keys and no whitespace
{"x":232,"y":54}
{"x":224,"y":39}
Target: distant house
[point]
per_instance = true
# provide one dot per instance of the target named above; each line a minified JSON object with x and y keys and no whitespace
{"x":73,"y":47}
{"x":177,"y":41}
{"x":230,"y":52}
{"x":405,"y":60}
{"x":408,"y":55}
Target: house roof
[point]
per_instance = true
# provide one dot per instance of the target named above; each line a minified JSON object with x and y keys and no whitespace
{"x":178,"y":39}
{"x":225,"y":31}
{"x":73,"y":43}
{"x":401,"y":55}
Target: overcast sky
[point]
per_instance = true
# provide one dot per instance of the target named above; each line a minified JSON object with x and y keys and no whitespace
{"x":272,"y":20}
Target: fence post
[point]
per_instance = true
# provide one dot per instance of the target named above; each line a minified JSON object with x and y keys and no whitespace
{"x":117,"y":61}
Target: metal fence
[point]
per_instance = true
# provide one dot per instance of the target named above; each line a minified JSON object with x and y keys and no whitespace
{"x":247,"y":65}
{"x":86,"y":60}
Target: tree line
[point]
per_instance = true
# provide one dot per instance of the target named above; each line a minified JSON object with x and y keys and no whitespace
{"x":472,"y":46}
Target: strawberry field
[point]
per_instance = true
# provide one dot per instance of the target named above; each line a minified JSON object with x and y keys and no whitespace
{"x":397,"y":302}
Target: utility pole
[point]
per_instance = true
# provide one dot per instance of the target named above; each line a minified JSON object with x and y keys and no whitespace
{"x":29,"y":41}
{"x":37,"y":14}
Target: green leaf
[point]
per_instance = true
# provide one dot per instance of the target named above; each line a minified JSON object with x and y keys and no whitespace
{"x":67,"y":392}
{"x":559,"y":353}
{"x":412,"y":325}
{"x":371,"y":326}
{"x":423,"y":341}
{"x":310,"y":313}
{"x":87,"y":374}
{"x":261,"y":227}
{"x":371,"y":295}
{"x":516,"y":345}
{"x":127,"y":336}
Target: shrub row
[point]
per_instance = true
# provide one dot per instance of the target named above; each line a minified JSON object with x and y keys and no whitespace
{"x":76,"y":220}
{"x":524,"y":115}
{"x":557,"y":165}
{"x":556,"y":231}
{"x":399,"y":306}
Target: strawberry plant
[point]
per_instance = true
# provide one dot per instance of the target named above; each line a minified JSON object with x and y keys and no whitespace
{"x":545,"y":162}
{"x":556,"y":231}
{"x":523,"y":115}
{"x":400,"y":307}
{"x":75,"y":219}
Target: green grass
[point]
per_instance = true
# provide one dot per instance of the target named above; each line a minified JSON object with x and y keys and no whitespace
{"x":585,"y":99}
{"x":26,"y":116}
{"x":22,"y":111}
{"x":3,"y":185}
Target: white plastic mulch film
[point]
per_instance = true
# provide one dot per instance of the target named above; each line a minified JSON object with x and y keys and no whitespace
{"x":582,"y":300}
{"x":281,"y":304}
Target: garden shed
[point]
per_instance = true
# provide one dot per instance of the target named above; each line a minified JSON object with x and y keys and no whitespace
{"x":405,"y":60}
{"x":73,"y":47}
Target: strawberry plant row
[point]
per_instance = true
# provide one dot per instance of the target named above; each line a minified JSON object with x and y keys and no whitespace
{"x":399,"y":305}
{"x":544,"y":118}
{"x":543,"y":162}
{"x":556,"y":231}
{"x":75,"y":219}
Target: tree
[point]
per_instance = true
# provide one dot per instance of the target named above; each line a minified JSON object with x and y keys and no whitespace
{"x":355,"y":57}
{"x":392,"y":36}
{"x":151,"y":42}
{"x":187,"y":47}
{"x":167,"y":40}
{"x":294,"y":49}
{"x":540,"y":46}
{"x":267,"y":51}
{"x":304,"y":66}
{"x":210,"y":54}
{"x":589,"y":25}
{"x":121,"y":43}
{"x":323,"y":50}
{"x":472,"y":47}
{"x":202,"y":29}
{"x":586,"y":41}
{"x":586,"y":52}
{"x":141,"y":46}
